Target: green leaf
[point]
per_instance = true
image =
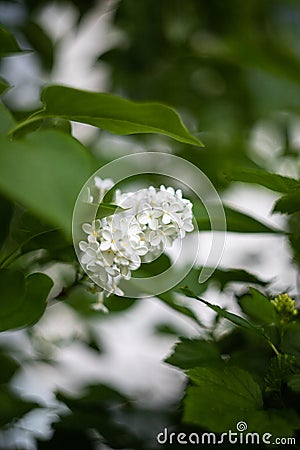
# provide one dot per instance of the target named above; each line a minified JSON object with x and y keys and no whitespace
{"x":291,"y":341}
{"x":40,"y":41}
{"x":112,"y":113}
{"x":289,"y":203}
{"x":6,"y":120}
{"x":45,"y":172}
{"x":12,"y":287}
{"x":280,"y":369}
{"x":219,"y":398}
{"x":6,"y":212}
{"x":273,"y":181}
{"x":8,"y":367}
{"x":8,"y":43}
{"x":106,"y":210}
{"x":4,"y":85}
{"x":225,"y":276}
{"x":12,"y":406}
{"x":191,"y":353}
{"x":294,"y":382}
{"x":258,"y":307}
{"x":237,"y":221}
{"x":101,"y":408}
{"x":168,"y":299}
{"x":233,"y":318}
{"x":24,"y":300}
{"x":279,"y":422}
{"x":26,"y":227}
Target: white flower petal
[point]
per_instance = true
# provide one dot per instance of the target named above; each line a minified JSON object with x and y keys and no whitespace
{"x":87,"y":228}
{"x":105,"y":245}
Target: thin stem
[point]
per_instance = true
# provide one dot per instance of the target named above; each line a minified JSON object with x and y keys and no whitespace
{"x":33,"y":118}
{"x":276,"y":351}
{"x":9,"y":258}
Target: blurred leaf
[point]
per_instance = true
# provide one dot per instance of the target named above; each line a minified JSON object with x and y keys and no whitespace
{"x":30,"y":233}
{"x":116,"y":304}
{"x":155,"y":267}
{"x":45,"y":171}
{"x":219,"y":398}
{"x":8,"y":367}
{"x":106,"y":210}
{"x":223,"y":277}
{"x":6,"y":212}
{"x":12,"y":288}
{"x":112,"y":113}
{"x":237,"y":221}
{"x":289,"y":203}
{"x":272,"y":181}
{"x":40,"y":41}
{"x":166,"y":329}
{"x":56,"y":124}
{"x":27,"y":227}
{"x":279,"y":422}
{"x":101,"y":409}
{"x":169,"y":300}
{"x":6,"y":120}
{"x":234,"y":318}
{"x":69,"y":440}
{"x":279,"y":369}
{"x":12,"y":406}
{"x":24,"y":300}
{"x":291,"y":341}
{"x":191,"y":353}
{"x":8,"y":43}
{"x":294,"y":382}
{"x":4,"y":85}
{"x":258,"y":307}
{"x":240,"y":222}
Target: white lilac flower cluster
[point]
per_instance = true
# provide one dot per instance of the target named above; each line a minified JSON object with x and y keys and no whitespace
{"x":151,"y":219}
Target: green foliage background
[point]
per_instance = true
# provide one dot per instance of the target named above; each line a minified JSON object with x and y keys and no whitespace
{"x":185,"y":72}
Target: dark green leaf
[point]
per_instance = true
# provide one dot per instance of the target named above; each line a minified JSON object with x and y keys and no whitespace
{"x":26,"y":227}
{"x":167,"y":329}
{"x":279,"y":369}
{"x":23,"y":306}
{"x":12,"y":287}
{"x":234,"y":318}
{"x":219,"y":398}
{"x":6,"y":211}
{"x":225,"y":276}
{"x":113,"y":114}
{"x":45,"y":171}
{"x":8,"y":43}
{"x":40,"y":41}
{"x":117,"y":304}
{"x":294,"y":382}
{"x":258,"y":307}
{"x":7,"y":122}
{"x":289,"y":203}
{"x":279,"y":422}
{"x":105,"y":210}
{"x":4,"y":85}
{"x":291,"y":341}
{"x":272,"y":181}
{"x":191,"y":353}
{"x":168,"y":299}
{"x":237,"y":221}
{"x":12,"y":406}
{"x":240,"y":222}
{"x":8,"y":367}
{"x":101,"y":409}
